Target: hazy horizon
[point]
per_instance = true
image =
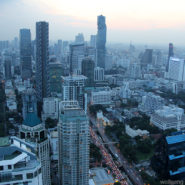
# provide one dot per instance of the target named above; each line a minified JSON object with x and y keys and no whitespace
{"x":144,"y":21}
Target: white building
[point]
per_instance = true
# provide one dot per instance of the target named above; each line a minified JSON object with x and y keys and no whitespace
{"x":133,"y":133}
{"x":18,"y":166}
{"x":50,"y":108}
{"x":101,"y":97}
{"x":98,"y":74}
{"x":176,"y":69}
{"x":169,"y":117}
{"x":151,"y":102}
{"x":125,"y":91}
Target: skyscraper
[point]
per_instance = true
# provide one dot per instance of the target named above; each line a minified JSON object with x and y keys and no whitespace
{"x":73,"y":89}
{"x":76,"y":55}
{"x":93,"y":41}
{"x":42,"y":60}
{"x":88,"y":70}
{"x":34,"y":132}
{"x":73,"y":132}
{"x":147,"y":57}
{"x":79,"y":39}
{"x":170,"y":54}
{"x":25,"y":53}
{"x":7,"y":65}
{"x":101,"y":41}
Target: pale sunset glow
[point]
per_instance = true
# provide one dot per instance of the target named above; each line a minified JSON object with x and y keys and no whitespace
{"x":124,"y":18}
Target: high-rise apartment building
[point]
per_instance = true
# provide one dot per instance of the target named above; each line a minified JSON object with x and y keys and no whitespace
{"x":42,"y":60}
{"x":34,"y":132}
{"x":88,"y":70}
{"x":101,"y":41}
{"x":25,"y":53}
{"x":73,"y":133}
{"x":176,"y":70}
{"x":73,"y":89}
{"x":77,"y":52}
{"x":93,"y":41}
{"x":98,"y":74}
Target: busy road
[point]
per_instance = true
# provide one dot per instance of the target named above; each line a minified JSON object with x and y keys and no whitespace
{"x":129,"y":169}
{"x":108,"y":158}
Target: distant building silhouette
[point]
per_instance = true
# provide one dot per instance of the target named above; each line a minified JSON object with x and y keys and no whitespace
{"x":7,"y":65}
{"x":170,"y":54}
{"x":88,"y":70}
{"x":101,"y":41}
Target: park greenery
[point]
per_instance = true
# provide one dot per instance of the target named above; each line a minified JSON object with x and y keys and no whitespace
{"x":95,"y":153}
{"x":93,"y":109}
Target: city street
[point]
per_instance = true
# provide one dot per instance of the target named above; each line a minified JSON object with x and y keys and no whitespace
{"x":129,"y":170}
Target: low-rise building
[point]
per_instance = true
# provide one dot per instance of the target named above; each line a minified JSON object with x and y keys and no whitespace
{"x":101,"y":177}
{"x":133,"y":133}
{"x":101,"y":97}
{"x":169,"y":117}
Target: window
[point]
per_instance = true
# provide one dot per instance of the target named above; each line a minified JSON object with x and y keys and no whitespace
{"x":18,"y":177}
{"x":29,"y":175}
{"x":1,"y":168}
{"x":9,"y":167}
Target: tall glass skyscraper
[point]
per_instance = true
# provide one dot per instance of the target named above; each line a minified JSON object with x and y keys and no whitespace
{"x":101,"y":41}
{"x":25,"y":53}
{"x":42,"y":60}
{"x":73,"y":130}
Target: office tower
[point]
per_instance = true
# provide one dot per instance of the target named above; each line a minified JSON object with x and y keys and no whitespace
{"x":98,"y":74}
{"x":18,"y":165}
{"x":176,"y":70}
{"x":55,"y":72}
{"x":4,"y":45}
{"x":147,"y":57}
{"x":73,"y":89}
{"x":25,"y":53}
{"x":73,"y":131}
{"x":79,"y":39}
{"x":77,"y":52}
{"x":29,"y":101}
{"x":88,"y":70}
{"x":101,"y":41}
{"x":7,"y":67}
{"x":33,"y":132}
{"x":93,"y":41}
{"x":135,"y":70}
{"x":170,"y":54}
{"x":59,"y":48}
{"x":42,"y":60}
{"x":91,"y":53}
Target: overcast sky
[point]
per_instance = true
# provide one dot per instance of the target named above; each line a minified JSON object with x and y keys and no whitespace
{"x":139,"y":21}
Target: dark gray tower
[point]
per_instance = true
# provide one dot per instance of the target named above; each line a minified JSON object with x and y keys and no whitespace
{"x":25,"y":53}
{"x":42,"y":60}
{"x":88,"y":70}
{"x":170,"y":54}
{"x":101,"y":41}
{"x":7,"y":65}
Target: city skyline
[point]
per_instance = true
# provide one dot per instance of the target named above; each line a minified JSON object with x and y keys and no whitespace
{"x":139,"y":22}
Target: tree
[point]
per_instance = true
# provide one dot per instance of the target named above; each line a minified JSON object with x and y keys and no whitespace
{"x":117,"y":183}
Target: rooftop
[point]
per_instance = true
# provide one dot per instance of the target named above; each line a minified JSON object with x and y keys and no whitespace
{"x":101,"y":176}
{"x":175,"y":139}
{"x":4,"y":141}
{"x":31,"y":120}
